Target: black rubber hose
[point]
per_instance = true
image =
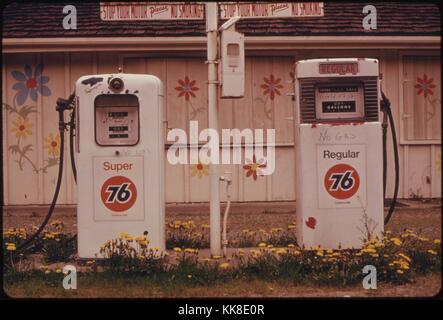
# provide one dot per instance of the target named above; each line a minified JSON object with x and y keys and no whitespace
{"x":71,"y":144}
{"x":396,"y":164}
{"x":385,"y":161}
{"x":57,"y":187}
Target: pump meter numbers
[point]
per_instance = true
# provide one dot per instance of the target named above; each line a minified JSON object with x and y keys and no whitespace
{"x":118,"y":193}
{"x":342,"y":181}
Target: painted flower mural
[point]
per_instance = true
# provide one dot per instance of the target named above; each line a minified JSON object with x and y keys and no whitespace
{"x":199,"y":170}
{"x":425,"y":85}
{"x":52,"y":144}
{"x":253,"y":168}
{"x":271,"y":86}
{"x":21,"y":127}
{"x":30,"y":83}
{"x":271,"y":89}
{"x":187,"y":88}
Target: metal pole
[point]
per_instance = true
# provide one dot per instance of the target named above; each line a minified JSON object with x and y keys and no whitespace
{"x":212,"y":55}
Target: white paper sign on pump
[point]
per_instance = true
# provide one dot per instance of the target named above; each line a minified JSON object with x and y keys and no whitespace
{"x":341,"y":176}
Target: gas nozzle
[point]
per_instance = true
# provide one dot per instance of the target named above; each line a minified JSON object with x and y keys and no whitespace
{"x":385,"y":103}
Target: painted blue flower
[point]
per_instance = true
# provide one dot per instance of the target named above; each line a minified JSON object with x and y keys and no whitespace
{"x":30,"y":83}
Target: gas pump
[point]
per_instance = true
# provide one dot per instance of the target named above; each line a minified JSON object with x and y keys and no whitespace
{"x":120,"y":156}
{"x":339,"y":154}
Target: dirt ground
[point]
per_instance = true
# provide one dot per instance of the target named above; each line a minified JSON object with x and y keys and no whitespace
{"x":421,"y":216}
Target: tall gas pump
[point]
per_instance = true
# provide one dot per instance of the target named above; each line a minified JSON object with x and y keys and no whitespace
{"x":339,"y":153}
{"x":120,"y":156}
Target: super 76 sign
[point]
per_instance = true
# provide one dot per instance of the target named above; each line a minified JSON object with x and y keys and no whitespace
{"x":124,"y":11}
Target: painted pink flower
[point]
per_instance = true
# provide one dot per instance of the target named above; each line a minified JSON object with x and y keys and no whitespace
{"x":425,"y":85}
{"x":186,"y":88}
{"x":253,"y":168}
{"x":271,"y":86}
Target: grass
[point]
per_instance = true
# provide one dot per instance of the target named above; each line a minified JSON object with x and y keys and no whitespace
{"x":111,"y":286}
{"x":426,"y":222}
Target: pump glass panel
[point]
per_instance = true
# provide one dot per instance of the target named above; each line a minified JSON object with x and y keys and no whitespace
{"x":117,"y":120}
{"x":339,"y":101}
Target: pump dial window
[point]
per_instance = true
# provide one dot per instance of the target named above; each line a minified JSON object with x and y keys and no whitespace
{"x":339,"y":101}
{"x":117,"y":120}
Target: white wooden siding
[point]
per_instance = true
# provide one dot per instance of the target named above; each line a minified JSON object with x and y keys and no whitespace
{"x":420,"y":164}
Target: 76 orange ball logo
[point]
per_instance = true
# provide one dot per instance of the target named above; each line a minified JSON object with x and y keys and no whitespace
{"x":342,"y":181}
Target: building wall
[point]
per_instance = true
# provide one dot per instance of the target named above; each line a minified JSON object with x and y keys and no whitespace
{"x":30,"y":125}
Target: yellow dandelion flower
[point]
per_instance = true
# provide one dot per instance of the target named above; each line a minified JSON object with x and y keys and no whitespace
{"x":262,"y":245}
{"x":21,"y":127}
{"x":176,"y":249}
{"x":11,"y":247}
{"x":225,"y":265}
{"x":405,"y":257}
{"x":437,"y":241}
{"x":216,"y":257}
{"x":396,"y":241}
{"x":430,"y":251}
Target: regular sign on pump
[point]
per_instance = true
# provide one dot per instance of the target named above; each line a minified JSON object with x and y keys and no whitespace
{"x":338,"y":152}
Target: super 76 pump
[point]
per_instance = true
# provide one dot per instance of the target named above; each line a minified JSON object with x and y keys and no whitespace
{"x":120,"y":156}
{"x":339,"y":154}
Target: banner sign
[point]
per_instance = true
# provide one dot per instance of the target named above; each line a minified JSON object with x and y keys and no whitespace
{"x":114,"y":11}
{"x":270,"y":10}
{"x":133,"y":11}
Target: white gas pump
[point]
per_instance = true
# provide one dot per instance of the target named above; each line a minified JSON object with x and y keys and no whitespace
{"x":120,"y":156}
{"x":339,"y":154}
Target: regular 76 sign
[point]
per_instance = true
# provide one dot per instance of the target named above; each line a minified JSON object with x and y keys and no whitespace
{"x":341,"y":176}
{"x":118,"y":188}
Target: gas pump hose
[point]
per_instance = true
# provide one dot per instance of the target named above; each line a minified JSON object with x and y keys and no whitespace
{"x":71,"y":144}
{"x":62,"y":105}
{"x":386,"y":108}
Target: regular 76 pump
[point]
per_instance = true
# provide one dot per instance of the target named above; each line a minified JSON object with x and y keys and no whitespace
{"x":339,"y":152}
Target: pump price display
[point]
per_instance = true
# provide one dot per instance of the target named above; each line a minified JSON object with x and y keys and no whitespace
{"x":338,"y":106}
{"x":118,"y":193}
